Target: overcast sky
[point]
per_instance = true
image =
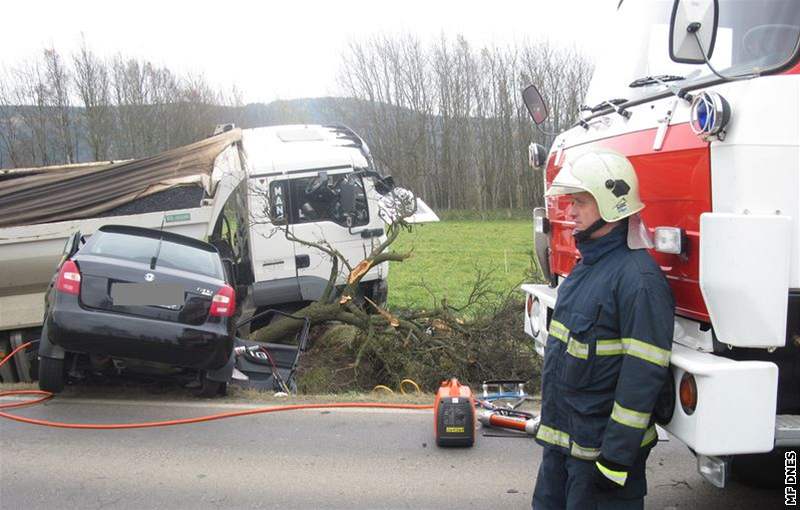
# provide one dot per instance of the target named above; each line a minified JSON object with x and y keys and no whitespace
{"x":280,"y":50}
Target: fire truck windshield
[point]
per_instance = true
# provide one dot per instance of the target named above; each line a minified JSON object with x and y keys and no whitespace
{"x":753,"y":36}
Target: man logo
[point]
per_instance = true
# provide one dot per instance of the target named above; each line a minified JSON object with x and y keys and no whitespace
{"x":149,"y":277}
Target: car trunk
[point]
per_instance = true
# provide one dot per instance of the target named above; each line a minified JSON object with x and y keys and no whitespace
{"x":125,"y":287}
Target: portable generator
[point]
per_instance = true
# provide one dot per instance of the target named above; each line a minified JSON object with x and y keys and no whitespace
{"x":454,"y":414}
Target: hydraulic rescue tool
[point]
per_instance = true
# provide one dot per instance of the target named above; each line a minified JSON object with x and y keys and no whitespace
{"x":454,"y":414}
{"x":509,"y":419}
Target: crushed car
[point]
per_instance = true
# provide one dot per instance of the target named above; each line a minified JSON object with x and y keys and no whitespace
{"x":139,"y":297}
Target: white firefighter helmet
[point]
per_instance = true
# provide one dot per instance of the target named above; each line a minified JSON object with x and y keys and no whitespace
{"x":605,"y":174}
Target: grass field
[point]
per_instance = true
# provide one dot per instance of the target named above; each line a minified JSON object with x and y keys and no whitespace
{"x":448,"y":255}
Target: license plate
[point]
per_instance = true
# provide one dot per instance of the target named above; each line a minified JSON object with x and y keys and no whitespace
{"x":147,"y":294}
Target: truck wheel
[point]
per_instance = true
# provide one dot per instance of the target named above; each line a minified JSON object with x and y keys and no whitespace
{"x":51,"y":374}
{"x":762,"y":470}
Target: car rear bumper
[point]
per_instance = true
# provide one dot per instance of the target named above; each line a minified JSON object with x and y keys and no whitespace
{"x":78,"y":329}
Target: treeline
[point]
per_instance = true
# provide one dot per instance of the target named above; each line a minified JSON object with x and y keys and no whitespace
{"x":70,"y":108}
{"x":444,"y":117}
{"x":447,"y":119}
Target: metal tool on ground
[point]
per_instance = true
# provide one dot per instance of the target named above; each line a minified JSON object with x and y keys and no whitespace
{"x":512,"y":390}
{"x":509,"y":419}
{"x":454,"y":414}
{"x":498,"y":408}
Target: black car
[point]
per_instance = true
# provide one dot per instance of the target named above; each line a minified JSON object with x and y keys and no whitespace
{"x":141,"y":297}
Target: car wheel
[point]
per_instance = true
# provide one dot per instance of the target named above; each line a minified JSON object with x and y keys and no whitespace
{"x":211,"y":389}
{"x":51,"y":374}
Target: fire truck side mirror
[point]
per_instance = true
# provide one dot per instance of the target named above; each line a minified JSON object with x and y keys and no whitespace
{"x":537,"y":155}
{"x":535,"y":104}
{"x":693,"y":30}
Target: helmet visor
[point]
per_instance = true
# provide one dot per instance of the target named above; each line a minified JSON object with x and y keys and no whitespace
{"x":565,"y":183}
{"x":559,"y":189}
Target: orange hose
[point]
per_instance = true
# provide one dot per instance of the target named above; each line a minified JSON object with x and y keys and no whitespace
{"x":46,"y":395}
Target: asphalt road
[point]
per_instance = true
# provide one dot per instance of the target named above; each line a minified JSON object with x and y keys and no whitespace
{"x":348,"y":459}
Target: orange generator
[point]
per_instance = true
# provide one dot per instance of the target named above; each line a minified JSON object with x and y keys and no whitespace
{"x":454,"y":414}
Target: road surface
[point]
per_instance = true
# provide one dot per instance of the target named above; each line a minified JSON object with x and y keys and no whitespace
{"x":348,"y":459}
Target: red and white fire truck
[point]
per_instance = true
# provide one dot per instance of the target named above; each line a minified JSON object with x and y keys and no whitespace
{"x":703,"y":97}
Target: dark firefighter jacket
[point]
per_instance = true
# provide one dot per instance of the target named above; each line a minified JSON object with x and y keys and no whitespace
{"x":607,"y":353}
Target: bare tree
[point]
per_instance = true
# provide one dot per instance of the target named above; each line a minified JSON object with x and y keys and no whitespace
{"x":31,"y":94}
{"x":448,"y":118}
{"x":93,"y":86}
{"x":58,"y":88}
{"x":11,"y":131}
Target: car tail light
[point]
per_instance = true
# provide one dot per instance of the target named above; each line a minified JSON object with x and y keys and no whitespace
{"x":223,"y":304}
{"x":688,"y":393}
{"x":69,"y":278}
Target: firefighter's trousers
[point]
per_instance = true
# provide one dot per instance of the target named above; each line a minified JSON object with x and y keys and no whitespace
{"x":565,"y":482}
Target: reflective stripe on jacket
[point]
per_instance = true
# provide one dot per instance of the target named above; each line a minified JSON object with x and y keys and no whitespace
{"x":607,"y":354}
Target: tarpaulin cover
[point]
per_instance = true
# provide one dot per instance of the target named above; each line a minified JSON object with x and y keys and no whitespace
{"x":85,"y":191}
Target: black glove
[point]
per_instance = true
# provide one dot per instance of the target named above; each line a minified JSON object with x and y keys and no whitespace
{"x":609,"y":475}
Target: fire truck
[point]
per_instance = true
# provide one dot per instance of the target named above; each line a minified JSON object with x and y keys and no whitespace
{"x":703,"y":97}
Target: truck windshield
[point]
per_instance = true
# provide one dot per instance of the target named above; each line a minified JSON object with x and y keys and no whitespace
{"x":753,"y":36}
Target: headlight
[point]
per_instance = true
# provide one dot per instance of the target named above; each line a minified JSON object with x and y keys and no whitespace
{"x":669,"y":240}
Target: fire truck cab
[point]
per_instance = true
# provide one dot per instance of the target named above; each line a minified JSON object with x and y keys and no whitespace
{"x":703,"y":97}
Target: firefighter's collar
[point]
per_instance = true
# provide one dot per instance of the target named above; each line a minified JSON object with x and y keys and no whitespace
{"x":594,"y":249}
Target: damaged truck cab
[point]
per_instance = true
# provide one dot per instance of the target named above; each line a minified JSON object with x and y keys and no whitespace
{"x":310,"y":185}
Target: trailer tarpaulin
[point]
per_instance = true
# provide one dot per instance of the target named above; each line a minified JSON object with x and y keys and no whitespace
{"x":86,"y":191}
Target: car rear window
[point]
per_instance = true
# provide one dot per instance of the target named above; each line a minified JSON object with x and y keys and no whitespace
{"x":143,"y":249}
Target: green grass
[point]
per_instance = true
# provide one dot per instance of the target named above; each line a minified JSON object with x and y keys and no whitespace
{"x":448,"y":255}
{"x":521,"y":214}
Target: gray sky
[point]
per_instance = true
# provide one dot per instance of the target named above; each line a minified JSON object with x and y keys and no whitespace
{"x":280,"y":50}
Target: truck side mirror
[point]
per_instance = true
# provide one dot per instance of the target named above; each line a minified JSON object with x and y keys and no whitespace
{"x":535,"y":104}
{"x":693,"y":22}
{"x":537,"y":155}
{"x":384,"y":185}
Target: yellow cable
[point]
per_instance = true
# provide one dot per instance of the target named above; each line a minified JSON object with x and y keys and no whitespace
{"x":412,"y":383}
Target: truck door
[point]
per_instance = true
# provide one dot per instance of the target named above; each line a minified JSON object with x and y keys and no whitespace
{"x":273,"y":254}
{"x":318,"y":217}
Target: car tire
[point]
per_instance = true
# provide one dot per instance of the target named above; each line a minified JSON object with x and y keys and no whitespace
{"x":51,"y":374}
{"x":211,"y":389}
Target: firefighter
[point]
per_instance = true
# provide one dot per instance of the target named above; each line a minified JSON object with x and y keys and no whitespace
{"x":607,"y":353}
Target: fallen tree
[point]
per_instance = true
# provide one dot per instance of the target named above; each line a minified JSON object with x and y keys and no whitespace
{"x":482,"y":338}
